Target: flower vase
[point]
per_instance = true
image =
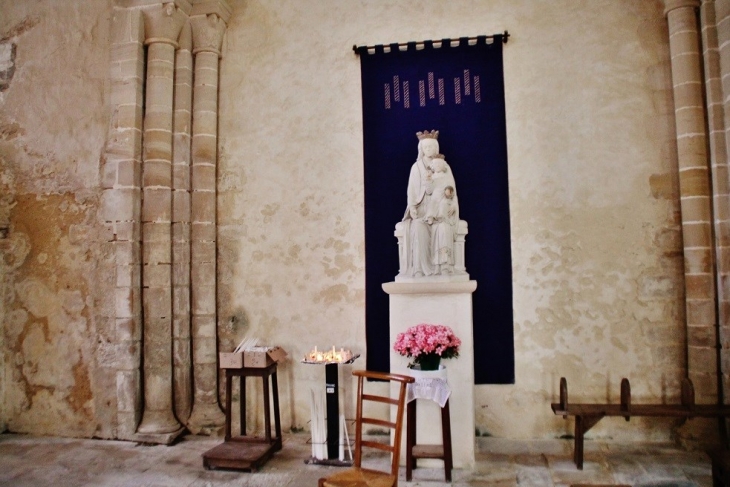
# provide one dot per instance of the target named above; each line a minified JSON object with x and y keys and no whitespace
{"x":429,"y":361}
{"x":419,"y":374}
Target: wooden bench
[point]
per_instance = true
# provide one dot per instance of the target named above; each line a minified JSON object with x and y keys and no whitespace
{"x":587,"y":415}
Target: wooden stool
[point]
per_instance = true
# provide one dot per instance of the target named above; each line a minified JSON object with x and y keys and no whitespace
{"x":415,"y":451}
{"x":248,"y":452}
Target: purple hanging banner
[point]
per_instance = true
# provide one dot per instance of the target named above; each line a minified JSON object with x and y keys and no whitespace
{"x":457,"y":88}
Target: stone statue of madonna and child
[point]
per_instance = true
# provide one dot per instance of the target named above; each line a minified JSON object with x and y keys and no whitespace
{"x":431,"y":236}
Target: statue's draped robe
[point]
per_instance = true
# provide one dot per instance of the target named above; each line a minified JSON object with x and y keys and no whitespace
{"x":418,"y":234}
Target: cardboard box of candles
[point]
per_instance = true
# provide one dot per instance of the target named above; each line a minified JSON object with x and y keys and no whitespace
{"x":249,"y":355}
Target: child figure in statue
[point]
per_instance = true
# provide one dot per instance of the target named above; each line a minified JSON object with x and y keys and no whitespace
{"x":444,"y":223}
{"x":438,"y":180}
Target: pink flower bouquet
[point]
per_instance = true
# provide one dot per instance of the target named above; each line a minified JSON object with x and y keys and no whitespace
{"x":427,"y":344}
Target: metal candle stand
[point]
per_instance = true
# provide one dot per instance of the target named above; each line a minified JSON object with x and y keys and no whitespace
{"x":333,"y":412}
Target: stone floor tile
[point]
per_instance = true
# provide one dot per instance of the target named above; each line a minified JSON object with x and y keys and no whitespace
{"x":666,"y":483}
{"x":57,"y":462}
{"x":534,"y":476}
{"x":502,"y":446}
{"x":551,"y":447}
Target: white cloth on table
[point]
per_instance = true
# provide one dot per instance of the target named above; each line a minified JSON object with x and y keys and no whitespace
{"x":437,"y":390}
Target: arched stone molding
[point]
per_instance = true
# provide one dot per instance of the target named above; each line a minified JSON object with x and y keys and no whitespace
{"x":208,"y":20}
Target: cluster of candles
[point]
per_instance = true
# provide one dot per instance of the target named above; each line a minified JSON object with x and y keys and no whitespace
{"x":328,"y":356}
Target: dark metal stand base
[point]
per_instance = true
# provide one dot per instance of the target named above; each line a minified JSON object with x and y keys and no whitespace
{"x":329,"y":462}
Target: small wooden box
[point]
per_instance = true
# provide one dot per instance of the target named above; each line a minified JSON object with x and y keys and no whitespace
{"x":256,"y":357}
{"x":230,"y":360}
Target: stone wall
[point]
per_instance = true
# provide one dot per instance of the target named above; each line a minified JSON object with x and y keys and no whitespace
{"x":597,"y":247}
{"x":53,"y":105}
{"x":598,"y":290}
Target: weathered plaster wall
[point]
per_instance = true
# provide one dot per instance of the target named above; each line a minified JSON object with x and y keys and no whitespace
{"x":596,"y":244}
{"x":53,"y":115}
{"x":593,"y":193}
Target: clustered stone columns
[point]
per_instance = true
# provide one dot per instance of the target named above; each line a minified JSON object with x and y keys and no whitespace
{"x":695,"y":196}
{"x":715,"y":21}
{"x":154,"y":224}
{"x":207,"y":38}
{"x":704,"y":183}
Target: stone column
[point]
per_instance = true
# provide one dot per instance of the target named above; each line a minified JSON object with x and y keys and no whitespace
{"x":695,"y":196}
{"x":162,"y":28}
{"x":716,"y":23}
{"x":208,"y":20}
{"x":121,"y":195}
{"x":182,"y":354}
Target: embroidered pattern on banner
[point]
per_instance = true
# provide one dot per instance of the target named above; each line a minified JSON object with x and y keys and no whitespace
{"x":464,"y":86}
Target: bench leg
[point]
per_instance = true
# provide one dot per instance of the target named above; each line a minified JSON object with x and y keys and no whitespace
{"x":582,"y":425}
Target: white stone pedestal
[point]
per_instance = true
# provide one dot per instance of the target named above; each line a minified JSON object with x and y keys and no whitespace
{"x":439,"y":303}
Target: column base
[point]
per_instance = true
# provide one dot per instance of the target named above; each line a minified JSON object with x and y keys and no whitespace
{"x":159,"y":438}
{"x":158,"y":423}
{"x":206,"y":419}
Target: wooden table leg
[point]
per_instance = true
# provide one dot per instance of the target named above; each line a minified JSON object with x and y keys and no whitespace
{"x":277,"y":420}
{"x":267,"y":411}
{"x":410,"y":438}
{"x":229,"y":390}
{"x":242,"y":404}
{"x":446,"y":439}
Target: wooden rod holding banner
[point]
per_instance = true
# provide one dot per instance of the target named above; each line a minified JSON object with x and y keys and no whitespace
{"x":504,"y":35}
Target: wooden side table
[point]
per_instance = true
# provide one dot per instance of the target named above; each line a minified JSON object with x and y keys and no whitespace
{"x":244,"y":452}
{"x":415,"y":451}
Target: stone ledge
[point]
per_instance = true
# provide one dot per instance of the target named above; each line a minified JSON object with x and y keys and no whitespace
{"x":429,"y":287}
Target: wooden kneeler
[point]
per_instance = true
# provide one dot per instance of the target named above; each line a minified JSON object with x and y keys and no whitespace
{"x":588,"y":415}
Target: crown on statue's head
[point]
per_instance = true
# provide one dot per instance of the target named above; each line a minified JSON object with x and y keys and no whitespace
{"x":433,"y":134}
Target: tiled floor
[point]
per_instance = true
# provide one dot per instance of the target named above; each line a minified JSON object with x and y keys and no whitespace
{"x":57,"y":462}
